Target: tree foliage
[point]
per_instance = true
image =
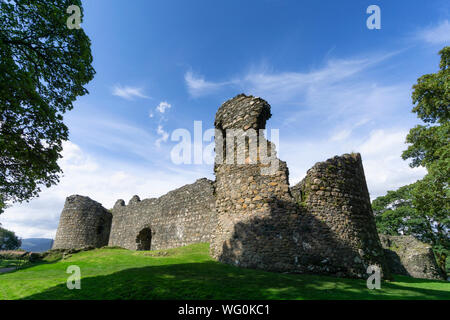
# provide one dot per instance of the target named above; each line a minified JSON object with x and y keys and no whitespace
{"x":429,"y":143}
{"x":44,"y":67}
{"x":8,"y":240}
{"x":422,"y":209}
{"x":430,"y":147}
{"x":397,"y":213}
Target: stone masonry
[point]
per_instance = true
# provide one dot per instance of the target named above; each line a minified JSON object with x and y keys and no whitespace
{"x":335,"y":194}
{"x":181,"y":217}
{"x":249,"y":214}
{"x":253,"y":209}
{"x":408,"y":256}
{"x":260,"y":224}
{"x":83,"y":223}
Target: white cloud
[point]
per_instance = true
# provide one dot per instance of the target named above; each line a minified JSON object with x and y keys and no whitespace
{"x":341,"y":135}
{"x":163,"y":106}
{"x":384,"y":168}
{"x":381,"y":154}
{"x":339,"y":99}
{"x":128,"y":93}
{"x":338,"y":95}
{"x":344,"y":102}
{"x":291,"y":88}
{"x":163,"y":136}
{"x":439,"y":34}
{"x":102,"y":180}
{"x":198,"y":86}
{"x":115,"y":137}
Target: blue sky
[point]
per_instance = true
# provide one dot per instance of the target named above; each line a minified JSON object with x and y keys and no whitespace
{"x":334,"y":86}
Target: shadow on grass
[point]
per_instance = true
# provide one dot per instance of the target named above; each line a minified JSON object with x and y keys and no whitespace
{"x":410,"y":279}
{"x":212,"y":280}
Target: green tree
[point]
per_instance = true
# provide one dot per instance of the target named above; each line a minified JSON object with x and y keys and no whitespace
{"x":8,"y":240}
{"x":44,"y":67}
{"x":430,"y":147}
{"x":422,"y":209}
{"x":429,"y":143}
{"x":397,"y":213}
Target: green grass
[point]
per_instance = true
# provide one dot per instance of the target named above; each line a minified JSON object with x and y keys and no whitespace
{"x":13,"y":263}
{"x":189,"y":273}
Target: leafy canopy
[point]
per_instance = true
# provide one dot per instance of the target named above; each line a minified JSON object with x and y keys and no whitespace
{"x":429,"y":143}
{"x":430,"y":147}
{"x":422,"y":209}
{"x":8,"y":240}
{"x":44,"y":67}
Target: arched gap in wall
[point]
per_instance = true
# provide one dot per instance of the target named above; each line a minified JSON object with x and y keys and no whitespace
{"x":144,"y":239}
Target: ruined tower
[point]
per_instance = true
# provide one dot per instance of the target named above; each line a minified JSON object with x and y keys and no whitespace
{"x":324,"y":225}
{"x":83,"y":223}
{"x":254,"y":207}
{"x":249,"y":214}
{"x":334,"y":193}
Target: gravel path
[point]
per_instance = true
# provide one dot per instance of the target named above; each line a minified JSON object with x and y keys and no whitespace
{"x":4,"y":270}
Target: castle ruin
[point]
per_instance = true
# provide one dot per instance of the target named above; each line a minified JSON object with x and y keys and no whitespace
{"x":252,"y":219}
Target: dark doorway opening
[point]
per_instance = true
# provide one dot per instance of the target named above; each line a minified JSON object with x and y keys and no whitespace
{"x":144,"y":240}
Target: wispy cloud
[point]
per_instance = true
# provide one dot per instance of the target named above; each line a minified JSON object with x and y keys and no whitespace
{"x":160,"y":111}
{"x":163,"y":136}
{"x":112,"y":180}
{"x":287,"y":86}
{"x":380,"y":149}
{"x":338,"y":95}
{"x":163,"y":106}
{"x":129,"y":93}
{"x":115,"y":137}
{"x":439,"y":34}
{"x":198,"y":86}
{"x":352,"y":108}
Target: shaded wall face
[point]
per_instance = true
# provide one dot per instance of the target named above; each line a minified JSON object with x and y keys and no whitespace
{"x":408,"y":256}
{"x":325,"y":225}
{"x":255,"y":218}
{"x":255,"y":211}
{"x":83,"y":223}
{"x":181,"y":217}
{"x":335,"y":193}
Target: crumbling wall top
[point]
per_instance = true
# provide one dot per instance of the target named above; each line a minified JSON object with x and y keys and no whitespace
{"x":243,"y":112}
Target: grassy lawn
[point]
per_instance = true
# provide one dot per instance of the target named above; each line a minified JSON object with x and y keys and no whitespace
{"x":13,"y":263}
{"x":189,"y":273}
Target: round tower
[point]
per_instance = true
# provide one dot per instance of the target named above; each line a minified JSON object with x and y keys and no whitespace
{"x":83,"y":223}
{"x":334,"y":193}
{"x":255,"y":210}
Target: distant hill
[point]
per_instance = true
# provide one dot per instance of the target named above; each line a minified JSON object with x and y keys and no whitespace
{"x":36,"y":244}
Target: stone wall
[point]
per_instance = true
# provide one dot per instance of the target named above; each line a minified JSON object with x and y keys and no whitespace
{"x":408,"y":256}
{"x":83,"y":223}
{"x":334,"y":193}
{"x":181,"y":217}
{"x":250,"y":214}
{"x":253,"y":209}
{"x":324,"y":225}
